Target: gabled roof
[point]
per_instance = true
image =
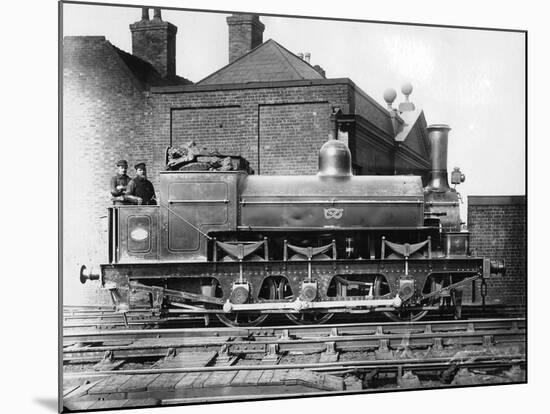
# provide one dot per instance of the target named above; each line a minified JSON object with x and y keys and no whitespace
{"x":146,"y":73}
{"x":413,"y":135}
{"x":268,"y":62}
{"x":87,"y":51}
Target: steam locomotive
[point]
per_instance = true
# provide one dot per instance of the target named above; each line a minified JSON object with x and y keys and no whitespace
{"x":244,"y":246}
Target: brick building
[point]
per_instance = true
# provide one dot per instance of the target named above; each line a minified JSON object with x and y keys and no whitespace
{"x":267,"y":104}
{"x":498,"y":229}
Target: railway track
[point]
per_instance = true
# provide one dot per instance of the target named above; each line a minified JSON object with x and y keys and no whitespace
{"x":169,"y":366}
{"x":90,"y":346}
{"x":105,"y":317}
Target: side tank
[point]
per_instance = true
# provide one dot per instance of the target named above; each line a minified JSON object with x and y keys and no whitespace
{"x":333,"y":198}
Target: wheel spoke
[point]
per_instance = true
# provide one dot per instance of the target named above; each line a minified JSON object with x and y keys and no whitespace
{"x":382,"y":289}
{"x":247,"y":319}
{"x":309,"y":318}
{"x":285,"y":293}
{"x":241,"y":320}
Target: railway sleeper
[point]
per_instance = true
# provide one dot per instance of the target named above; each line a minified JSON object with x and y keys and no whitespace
{"x":272,"y":356}
{"x":330,"y":354}
{"x":108,"y":362}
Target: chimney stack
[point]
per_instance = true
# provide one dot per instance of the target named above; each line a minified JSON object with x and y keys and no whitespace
{"x":320,"y":70}
{"x":246,"y":31}
{"x":155,"y":42}
{"x":144,"y":13}
{"x":438,"y":136}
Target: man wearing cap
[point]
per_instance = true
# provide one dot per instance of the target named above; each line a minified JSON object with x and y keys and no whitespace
{"x":140,"y":190}
{"x":119,"y":183}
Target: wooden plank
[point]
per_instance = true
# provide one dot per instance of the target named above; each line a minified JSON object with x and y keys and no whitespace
{"x":78,"y":405}
{"x":313,"y":380}
{"x":68,"y":390}
{"x":253,"y":377}
{"x":201,"y":379}
{"x":147,"y":402}
{"x":279,"y":376}
{"x":304,"y":377}
{"x":81,"y":390}
{"x":165,"y":382}
{"x":220,"y":379}
{"x":103,"y":404}
{"x":239,"y":378}
{"x":187,"y":360}
{"x":109,"y":385}
{"x":138,"y":383}
{"x":334,"y":383}
{"x":266,"y":377}
{"x":187,"y":380}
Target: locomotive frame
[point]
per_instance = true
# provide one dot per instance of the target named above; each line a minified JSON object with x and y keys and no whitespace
{"x":242,"y":246}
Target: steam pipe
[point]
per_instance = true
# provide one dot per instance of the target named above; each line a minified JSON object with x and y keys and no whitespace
{"x":438,"y":135}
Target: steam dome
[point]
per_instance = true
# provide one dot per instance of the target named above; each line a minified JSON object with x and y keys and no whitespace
{"x":334,"y":160}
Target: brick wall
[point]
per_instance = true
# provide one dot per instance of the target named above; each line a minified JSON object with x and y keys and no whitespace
{"x":291,"y":135}
{"x":288,"y":124}
{"x":216,"y":127}
{"x":105,"y":118}
{"x":498,"y":231}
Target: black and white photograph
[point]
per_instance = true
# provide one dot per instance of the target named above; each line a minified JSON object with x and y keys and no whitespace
{"x":262,"y":206}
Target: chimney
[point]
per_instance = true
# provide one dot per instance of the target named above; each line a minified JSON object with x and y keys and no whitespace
{"x":155,"y":42}
{"x":320,"y":70}
{"x":245,"y":33}
{"x":438,"y":136}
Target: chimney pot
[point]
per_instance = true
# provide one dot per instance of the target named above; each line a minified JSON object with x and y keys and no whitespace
{"x":156,"y":13}
{"x":144,"y":14}
{"x":320,"y":70}
{"x":307,"y":57}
